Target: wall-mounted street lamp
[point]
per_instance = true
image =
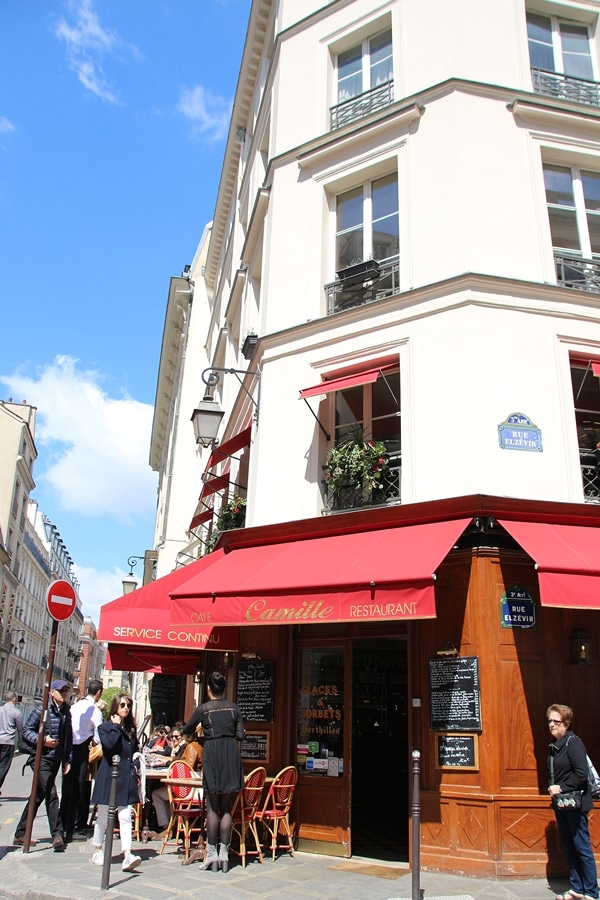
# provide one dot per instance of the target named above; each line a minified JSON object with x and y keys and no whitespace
{"x":207,"y":416}
{"x":130,"y":581}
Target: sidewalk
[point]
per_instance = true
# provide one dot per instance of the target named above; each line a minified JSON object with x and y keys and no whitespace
{"x":42,"y":874}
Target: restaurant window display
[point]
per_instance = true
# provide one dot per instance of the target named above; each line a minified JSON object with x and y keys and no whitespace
{"x":320,"y":712}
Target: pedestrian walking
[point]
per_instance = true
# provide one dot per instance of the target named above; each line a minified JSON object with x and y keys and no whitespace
{"x":11,"y":726}
{"x":572,"y":801}
{"x":118,"y":738}
{"x":75,"y":800}
{"x":57,"y":748}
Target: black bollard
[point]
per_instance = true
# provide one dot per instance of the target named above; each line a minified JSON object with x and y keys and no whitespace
{"x":416,"y":829}
{"x":110,"y":825}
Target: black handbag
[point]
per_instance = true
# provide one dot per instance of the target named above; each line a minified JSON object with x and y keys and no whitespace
{"x":570,"y":800}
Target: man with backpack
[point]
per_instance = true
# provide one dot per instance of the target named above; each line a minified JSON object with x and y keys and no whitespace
{"x":57,"y":749}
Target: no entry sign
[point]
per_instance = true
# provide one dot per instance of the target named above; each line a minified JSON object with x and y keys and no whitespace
{"x":60,"y":600}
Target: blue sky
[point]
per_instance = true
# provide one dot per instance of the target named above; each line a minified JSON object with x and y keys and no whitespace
{"x":113,"y":116}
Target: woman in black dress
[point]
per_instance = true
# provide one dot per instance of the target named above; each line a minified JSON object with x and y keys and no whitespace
{"x":222,"y":772}
{"x":118,"y":738}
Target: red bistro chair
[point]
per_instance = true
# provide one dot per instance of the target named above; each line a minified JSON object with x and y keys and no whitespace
{"x":246,"y":809}
{"x":276,"y":810}
{"x":186,"y":806}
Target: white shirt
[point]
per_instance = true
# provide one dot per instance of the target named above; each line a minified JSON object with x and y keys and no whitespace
{"x":85,"y":718}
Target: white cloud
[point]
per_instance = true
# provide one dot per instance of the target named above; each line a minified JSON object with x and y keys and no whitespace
{"x":208,"y":113}
{"x":97,"y":588}
{"x":96,"y":446}
{"x":6,"y":125}
{"x":87,"y":41}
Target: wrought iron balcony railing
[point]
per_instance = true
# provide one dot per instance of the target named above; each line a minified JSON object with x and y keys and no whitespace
{"x":590,"y":474}
{"x":565,"y":87}
{"x":342,"y":296}
{"x":362,"y":105}
{"x":351,"y":497}
{"x":577,"y":273}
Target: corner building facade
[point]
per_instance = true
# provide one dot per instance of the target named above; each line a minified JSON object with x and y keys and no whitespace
{"x":406,"y":245}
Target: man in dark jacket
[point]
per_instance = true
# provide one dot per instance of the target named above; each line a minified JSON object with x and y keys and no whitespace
{"x":58,"y":743}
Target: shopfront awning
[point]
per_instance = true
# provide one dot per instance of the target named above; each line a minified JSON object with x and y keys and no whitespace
{"x":567,"y":559}
{"x":157,"y":660}
{"x":368,"y":576}
{"x":143,"y":617}
{"x":339,"y":384}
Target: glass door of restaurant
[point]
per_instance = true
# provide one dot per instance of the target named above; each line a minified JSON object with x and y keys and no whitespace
{"x":380,"y":771}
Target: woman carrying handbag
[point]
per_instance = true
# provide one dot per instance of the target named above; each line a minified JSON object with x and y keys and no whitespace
{"x":571,"y":801}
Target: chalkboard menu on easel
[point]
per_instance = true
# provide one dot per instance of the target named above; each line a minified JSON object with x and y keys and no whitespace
{"x":457,"y":751}
{"x":454,"y":697}
{"x":255,"y":689}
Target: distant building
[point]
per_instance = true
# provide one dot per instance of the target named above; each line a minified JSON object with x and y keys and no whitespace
{"x":90,"y":656}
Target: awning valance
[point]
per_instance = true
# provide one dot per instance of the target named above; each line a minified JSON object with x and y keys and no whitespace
{"x":567,"y":559}
{"x":158,"y":660}
{"x":143,"y":617}
{"x":381,"y":574}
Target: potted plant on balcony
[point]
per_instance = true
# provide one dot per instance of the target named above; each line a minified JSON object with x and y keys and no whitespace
{"x":358,"y":466}
{"x":232,"y":515}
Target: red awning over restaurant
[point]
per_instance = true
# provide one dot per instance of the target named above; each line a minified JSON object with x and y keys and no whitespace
{"x":567,"y":559}
{"x":381,"y":574}
{"x":339,"y":384}
{"x":143,"y":617}
{"x":158,"y":660}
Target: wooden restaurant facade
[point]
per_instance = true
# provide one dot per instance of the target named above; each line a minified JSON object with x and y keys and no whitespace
{"x":447,"y":627}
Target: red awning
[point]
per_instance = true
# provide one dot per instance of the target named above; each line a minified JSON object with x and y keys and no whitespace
{"x":567,"y":559}
{"x":217,"y":483}
{"x":384,"y":574}
{"x":201,"y":518}
{"x":151,"y":659}
{"x":143,"y":617}
{"x":596,"y":368}
{"x":338,"y":384}
{"x":233,"y":445}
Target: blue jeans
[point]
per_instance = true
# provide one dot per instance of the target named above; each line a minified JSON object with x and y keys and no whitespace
{"x":575,"y":837}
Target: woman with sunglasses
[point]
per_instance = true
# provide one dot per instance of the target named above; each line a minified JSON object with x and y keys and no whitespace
{"x":118,"y":738}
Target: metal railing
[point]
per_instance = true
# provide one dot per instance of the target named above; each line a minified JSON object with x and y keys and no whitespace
{"x":577,"y":273}
{"x":340,"y":297}
{"x":565,"y":87}
{"x":590,"y":474}
{"x":362,"y":105}
{"x":351,"y":497}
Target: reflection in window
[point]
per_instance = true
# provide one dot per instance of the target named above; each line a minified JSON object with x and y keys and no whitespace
{"x":320,"y":745}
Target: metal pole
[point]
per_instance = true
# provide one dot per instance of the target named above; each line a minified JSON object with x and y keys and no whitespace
{"x":110,"y":825}
{"x":40,"y":741}
{"x":416,"y":828}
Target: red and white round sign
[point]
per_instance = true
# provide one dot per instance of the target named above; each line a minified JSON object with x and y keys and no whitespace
{"x":61,"y":600}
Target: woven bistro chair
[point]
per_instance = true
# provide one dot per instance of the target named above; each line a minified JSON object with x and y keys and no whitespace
{"x":186,"y":806}
{"x":245,"y":810}
{"x":275,"y":813}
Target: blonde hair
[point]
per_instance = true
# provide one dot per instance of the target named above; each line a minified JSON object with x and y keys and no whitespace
{"x":565,"y":712}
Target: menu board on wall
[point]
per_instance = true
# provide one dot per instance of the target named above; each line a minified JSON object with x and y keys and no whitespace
{"x":255,"y":689}
{"x":456,"y":751}
{"x":255,"y":746}
{"x":163,"y":699}
{"x":454,"y":697}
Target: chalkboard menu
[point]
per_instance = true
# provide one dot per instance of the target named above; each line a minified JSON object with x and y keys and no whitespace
{"x":454,"y":699}
{"x":164,"y":699}
{"x":255,"y":689}
{"x":456,"y":751}
{"x":255,"y":746}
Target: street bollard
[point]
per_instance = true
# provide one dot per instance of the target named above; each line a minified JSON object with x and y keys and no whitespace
{"x":416,"y":829}
{"x":110,"y":825}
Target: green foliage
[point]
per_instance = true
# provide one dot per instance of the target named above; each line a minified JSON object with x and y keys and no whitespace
{"x":107,"y":696}
{"x":357,"y":463}
{"x":232,"y":515}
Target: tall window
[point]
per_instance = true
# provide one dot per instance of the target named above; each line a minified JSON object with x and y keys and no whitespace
{"x":556,"y":46}
{"x":373,"y":409}
{"x":586,"y":400}
{"x":365,"y":66}
{"x":367,"y":224}
{"x":573,"y":198}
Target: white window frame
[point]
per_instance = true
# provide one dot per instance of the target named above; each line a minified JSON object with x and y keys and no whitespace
{"x":365,"y":46}
{"x":585,"y":251}
{"x":367,"y":219}
{"x":555,"y":23}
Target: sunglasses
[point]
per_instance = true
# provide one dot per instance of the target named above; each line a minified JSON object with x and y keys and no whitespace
{"x":124,"y":705}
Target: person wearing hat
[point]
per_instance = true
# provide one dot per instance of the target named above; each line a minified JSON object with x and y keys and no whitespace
{"x":57,"y":750}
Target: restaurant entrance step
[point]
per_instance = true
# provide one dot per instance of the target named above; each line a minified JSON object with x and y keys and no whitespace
{"x":380,"y":789}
